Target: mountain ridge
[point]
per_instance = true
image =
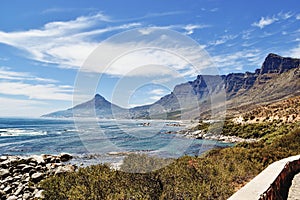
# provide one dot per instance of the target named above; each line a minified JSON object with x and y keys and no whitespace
{"x":277,"y":78}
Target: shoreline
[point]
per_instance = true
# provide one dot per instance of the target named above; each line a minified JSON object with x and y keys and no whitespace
{"x":202,"y":135}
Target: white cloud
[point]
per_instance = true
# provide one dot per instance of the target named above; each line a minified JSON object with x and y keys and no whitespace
{"x":264,"y":21}
{"x":223,"y":40}
{"x":66,"y":43}
{"x":295,"y":52}
{"x":188,"y":29}
{"x":32,"y":87}
{"x":286,"y":15}
{"x":191,"y":27}
{"x":64,"y":10}
{"x":133,"y":54}
{"x":7,"y":74}
{"x":157,"y":92}
{"x":36,"y":91}
{"x":155,"y":98}
{"x":298,"y":17}
{"x":239,"y":59}
{"x":69,"y":43}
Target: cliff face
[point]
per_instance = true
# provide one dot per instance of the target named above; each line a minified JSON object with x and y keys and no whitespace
{"x":277,"y":78}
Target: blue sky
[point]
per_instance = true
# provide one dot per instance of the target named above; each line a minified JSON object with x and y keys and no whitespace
{"x":43,"y":44}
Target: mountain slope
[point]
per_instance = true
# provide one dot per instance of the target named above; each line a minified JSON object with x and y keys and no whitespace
{"x":287,"y":110}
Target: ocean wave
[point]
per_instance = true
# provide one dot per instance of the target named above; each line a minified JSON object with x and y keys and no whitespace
{"x":20,"y":132}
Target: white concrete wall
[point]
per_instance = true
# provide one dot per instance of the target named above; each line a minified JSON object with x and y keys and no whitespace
{"x":262,"y":182}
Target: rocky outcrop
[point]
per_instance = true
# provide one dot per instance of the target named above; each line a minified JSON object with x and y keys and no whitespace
{"x":20,"y":176}
{"x":277,"y":64}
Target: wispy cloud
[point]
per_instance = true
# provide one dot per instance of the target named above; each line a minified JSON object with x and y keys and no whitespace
{"x":298,"y":17}
{"x":4,"y":59}
{"x":285,"y":15}
{"x":294,"y":52}
{"x":32,"y":87}
{"x":222,"y":40}
{"x":7,"y":74}
{"x":152,"y":15}
{"x":155,"y":98}
{"x":264,"y":21}
{"x":36,"y":91}
{"x":157,"y":92}
{"x":65,"y":43}
{"x":239,"y":60}
{"x":59,"y":10}
{"x":210,"y":10}
{"x":191,"y":27}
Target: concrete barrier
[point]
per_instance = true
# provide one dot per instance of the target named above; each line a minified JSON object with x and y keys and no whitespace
{"x":271,"y":184}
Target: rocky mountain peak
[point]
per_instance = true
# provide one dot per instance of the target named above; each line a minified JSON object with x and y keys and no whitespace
{"x":277,"y":64}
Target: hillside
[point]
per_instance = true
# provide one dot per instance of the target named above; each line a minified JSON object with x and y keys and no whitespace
{"x":287,"y":110}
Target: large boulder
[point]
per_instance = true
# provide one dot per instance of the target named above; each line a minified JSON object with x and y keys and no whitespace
{"x":64,"y":157}
{"x":4,"y":173}
{"x":65,"y":169}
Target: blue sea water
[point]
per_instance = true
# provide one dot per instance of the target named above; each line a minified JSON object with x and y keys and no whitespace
{"x":100,"y":142}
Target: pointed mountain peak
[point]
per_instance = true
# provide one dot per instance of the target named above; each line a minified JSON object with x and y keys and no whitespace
{"x":98,"y":96}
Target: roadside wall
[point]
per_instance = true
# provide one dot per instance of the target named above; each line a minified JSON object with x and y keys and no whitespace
{"x":271,"y":184}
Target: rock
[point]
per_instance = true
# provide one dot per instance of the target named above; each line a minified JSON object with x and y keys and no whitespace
{"x":39,"y":194}
{"x":19,"y":190}
{"x":26,"y":196}
{"x":3,"y":158}
{"x":7,"y":190}
{"x":27,"y":168}
{"x":8,"y":180}
{"x":38,"y":159}
{"x":47,"y":158}
{"x":36,"y":177}
{"x":4,"y":173}
{"x":32,"y":164}
{"x":64,"y":157}
{"x":65,"y":169}
{"x":12,"y":198}
{"x":21,"y":166}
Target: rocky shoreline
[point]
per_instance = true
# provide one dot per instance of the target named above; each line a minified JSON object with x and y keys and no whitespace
{"x":20,"y":176}
{"x":200,"y":134}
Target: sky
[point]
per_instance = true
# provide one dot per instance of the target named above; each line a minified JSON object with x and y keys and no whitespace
{"x":44,"y":46}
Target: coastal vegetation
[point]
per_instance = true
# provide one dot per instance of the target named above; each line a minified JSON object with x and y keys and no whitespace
{"x":214,"y":175}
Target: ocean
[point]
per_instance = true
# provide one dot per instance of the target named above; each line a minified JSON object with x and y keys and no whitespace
{"x":97,"y":141}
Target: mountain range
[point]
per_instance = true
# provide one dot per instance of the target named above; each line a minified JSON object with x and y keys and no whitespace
{"x":277,"y":79}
